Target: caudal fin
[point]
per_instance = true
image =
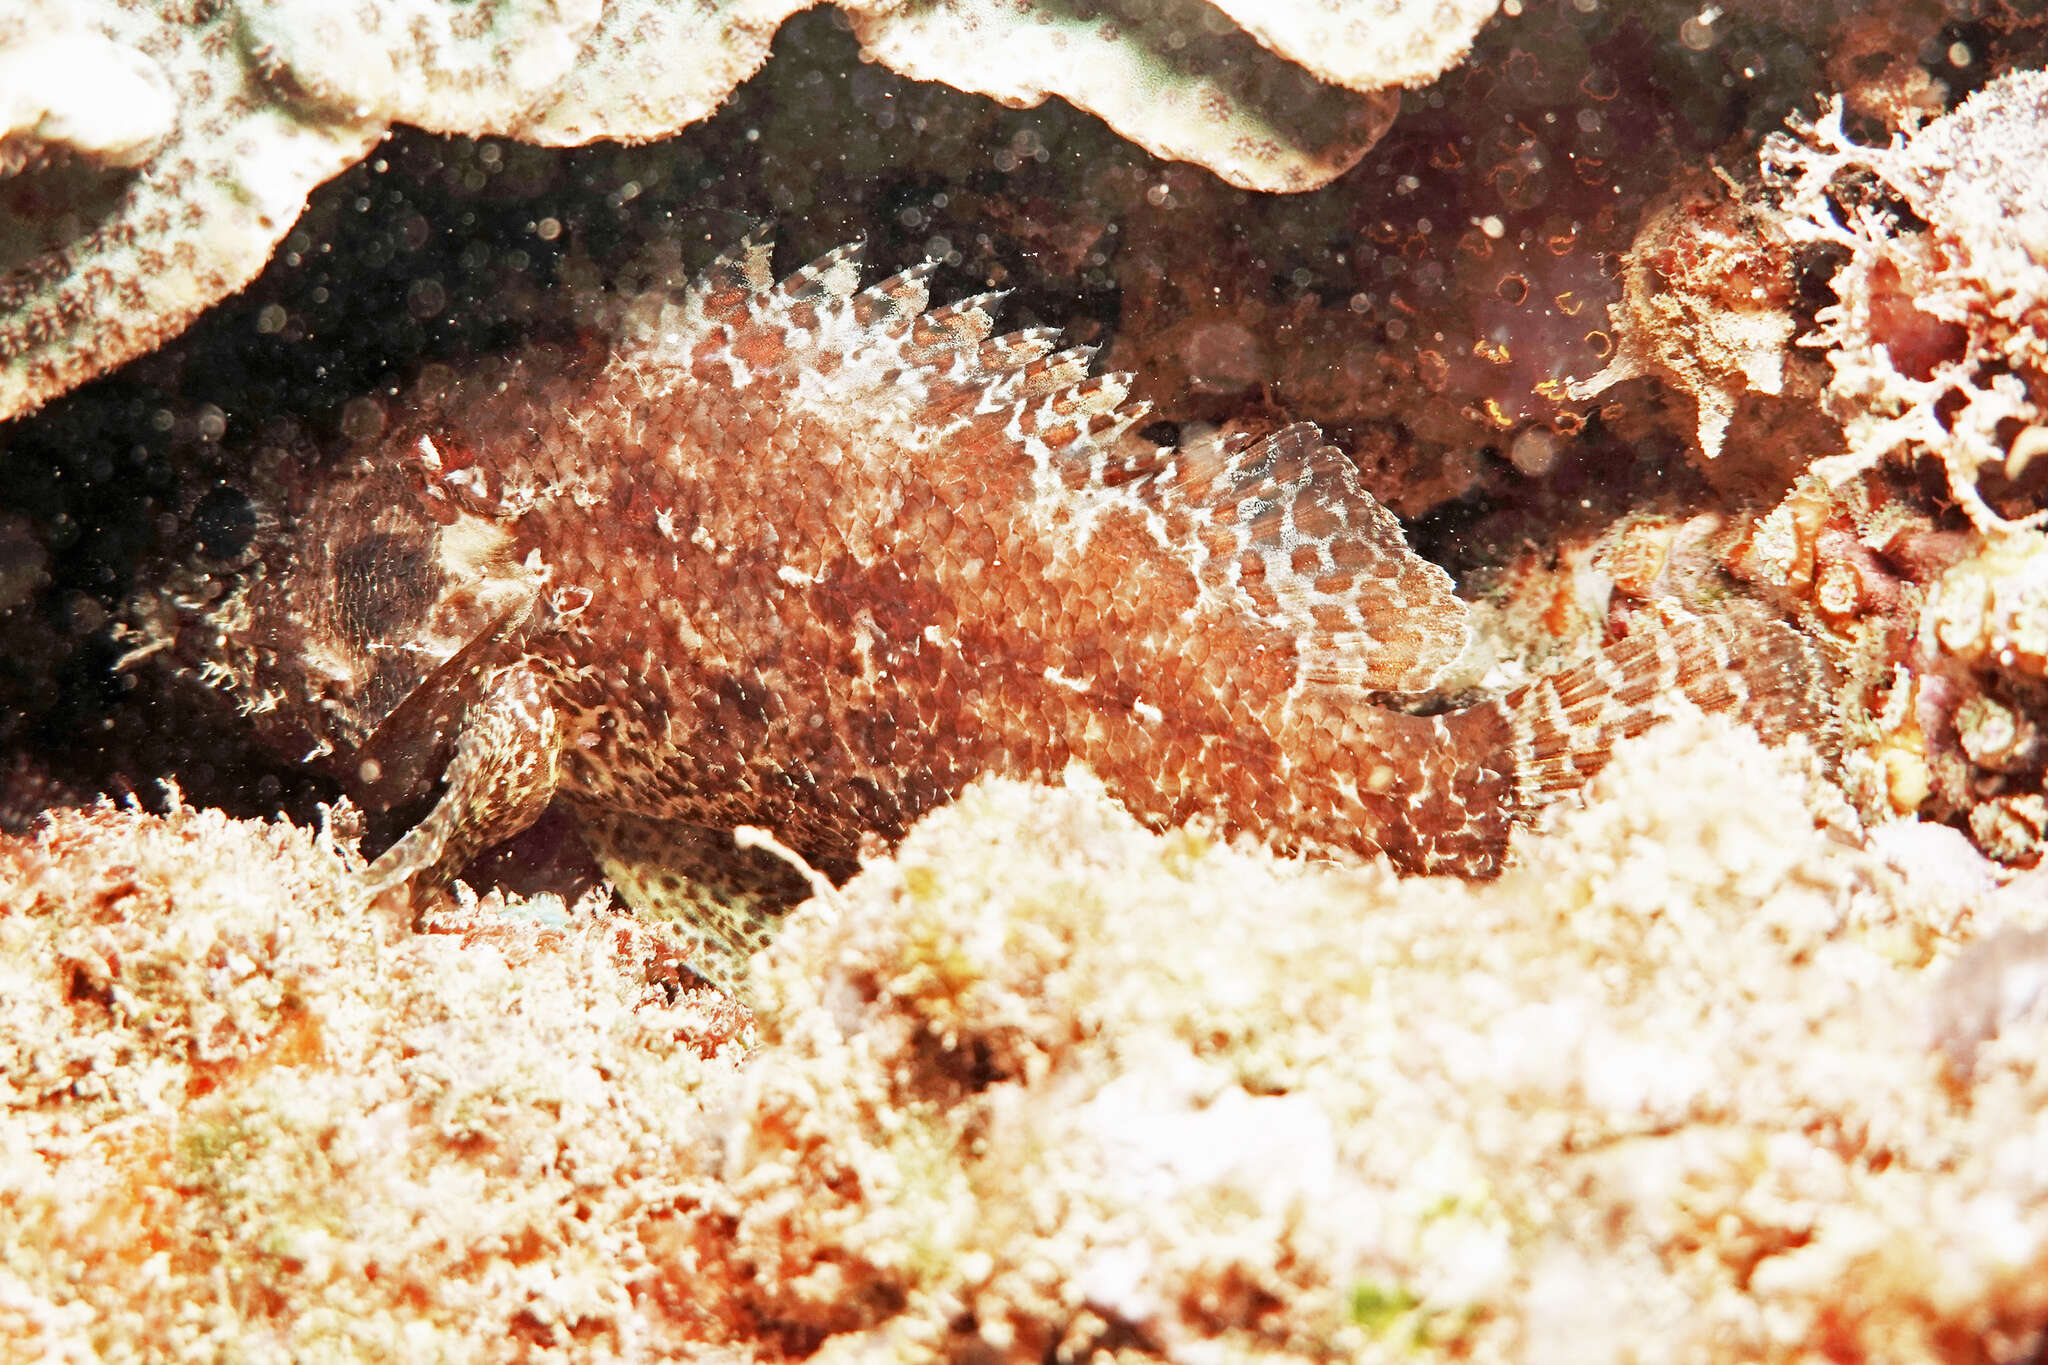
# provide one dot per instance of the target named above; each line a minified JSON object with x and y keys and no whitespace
{"x":1739,"y":664}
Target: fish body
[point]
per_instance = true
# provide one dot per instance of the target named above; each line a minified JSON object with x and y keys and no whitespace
{"x":812,"y":557}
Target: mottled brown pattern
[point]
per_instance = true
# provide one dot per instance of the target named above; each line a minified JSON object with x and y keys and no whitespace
{"x":813,"y":558}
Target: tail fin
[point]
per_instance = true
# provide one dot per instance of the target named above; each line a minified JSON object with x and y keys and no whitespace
{"x":1740,"y":664}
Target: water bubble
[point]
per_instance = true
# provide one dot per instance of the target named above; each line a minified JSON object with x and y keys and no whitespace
{"x":223,"y":523}
{"x":362,"y":419}
{"x":1697,"y":33}
{"x":1533,"y":452}
{"x":426,"y":297}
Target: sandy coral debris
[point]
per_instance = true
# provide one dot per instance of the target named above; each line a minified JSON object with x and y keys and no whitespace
{"x":1044,"y":1083}
{"x":1154,"y":1092}
{"x":342,"y":1141}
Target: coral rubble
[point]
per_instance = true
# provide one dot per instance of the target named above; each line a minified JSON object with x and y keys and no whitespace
{"x":1043,"y":1084}
{"x":234,"y":1109}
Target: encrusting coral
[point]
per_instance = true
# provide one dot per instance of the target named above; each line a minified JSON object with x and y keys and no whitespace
{"x":1040,"y":1084}
{"x":117,"y":119}
{"x":230,"y":114}
{"x":108,"y":255}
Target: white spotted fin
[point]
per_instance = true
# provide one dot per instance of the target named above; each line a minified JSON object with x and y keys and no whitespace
{"x":1288,"y":534}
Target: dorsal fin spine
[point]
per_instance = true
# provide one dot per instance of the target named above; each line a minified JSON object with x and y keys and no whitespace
{"x":836,"y":274}
{"x":1278,"y":528}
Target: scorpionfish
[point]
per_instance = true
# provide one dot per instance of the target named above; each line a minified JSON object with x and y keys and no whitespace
{"x":812,"y":557}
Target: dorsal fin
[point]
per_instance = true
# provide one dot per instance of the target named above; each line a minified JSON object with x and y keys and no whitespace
{"x":1060,"y":370}
{"x":960,"y":326}
{"x":883,"y":334}
{"x":732,"y":282}
{"x":1279,"y":529}
{"x":893,"y":302}
{"x":834,"y":275}
{"x":1015,"y":350}
{"x":1289,"y":535}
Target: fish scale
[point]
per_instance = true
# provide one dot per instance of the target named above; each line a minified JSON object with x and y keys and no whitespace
{"x":812,"y":558}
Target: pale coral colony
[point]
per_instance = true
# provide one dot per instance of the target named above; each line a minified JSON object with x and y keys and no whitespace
{"x":1634,"y":315}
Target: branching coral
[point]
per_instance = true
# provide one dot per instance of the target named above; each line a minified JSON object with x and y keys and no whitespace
{"x":1939,"y":338}
{"x":232,"y":113}
{"x":1922,"y":263}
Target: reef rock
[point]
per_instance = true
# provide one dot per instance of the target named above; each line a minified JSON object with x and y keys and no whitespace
{"x":227,"y":115}
{"x":1693,"y":1078}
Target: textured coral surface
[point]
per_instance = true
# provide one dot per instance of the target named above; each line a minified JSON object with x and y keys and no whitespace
{"x":239,"y":1111}
{"x":1694,"y":1078}
{"x":175,"y":142}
